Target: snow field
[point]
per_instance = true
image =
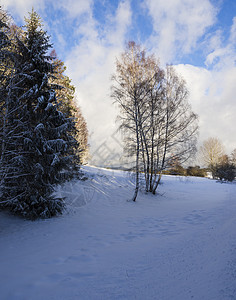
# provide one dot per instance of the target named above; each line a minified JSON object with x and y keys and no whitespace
{"x":179,"y":244}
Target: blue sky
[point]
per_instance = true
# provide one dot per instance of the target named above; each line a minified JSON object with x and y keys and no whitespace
{"x":198,"y":37}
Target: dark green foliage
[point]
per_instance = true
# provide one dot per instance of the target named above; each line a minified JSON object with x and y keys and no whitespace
{"x":39,"y":145}
{"x":225,"y":171}
{"x":6,"y":62}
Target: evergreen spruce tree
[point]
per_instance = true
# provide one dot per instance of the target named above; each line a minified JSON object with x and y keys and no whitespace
{"x":39,"y":145}
{"x":5,"y":69}
{"x":6,"y":51}
{"x":7,"y":58}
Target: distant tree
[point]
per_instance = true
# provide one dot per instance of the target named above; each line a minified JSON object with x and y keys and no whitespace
{"x":175,"y":168}
{"x":233,"y":157}
{"x":211,"y":152}
{"x":156,"y":117}
{"x":196,"y":171}
{"x":225,"y":170}
{"x":39,"y":145}
{"x":81,"y":134}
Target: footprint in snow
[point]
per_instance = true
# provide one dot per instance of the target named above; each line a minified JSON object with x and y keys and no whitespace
{"x":194,"y":219}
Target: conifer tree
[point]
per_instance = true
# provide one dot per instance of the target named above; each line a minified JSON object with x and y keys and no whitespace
{"x":6,"y":56}
{"x":39,"y":145}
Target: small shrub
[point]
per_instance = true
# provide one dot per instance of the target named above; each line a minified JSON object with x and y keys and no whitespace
{"x":196,"y":171}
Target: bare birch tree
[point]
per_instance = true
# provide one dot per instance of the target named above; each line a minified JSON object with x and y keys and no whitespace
{"x":129,"y":92}
{"x":176,"y":126}
{"x":211,"y":152}
{"x":171,"y":126}
{"x":156,"y":117}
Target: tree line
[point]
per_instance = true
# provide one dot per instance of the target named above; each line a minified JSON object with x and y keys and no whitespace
{"x":221,"y":165}
{"x":43,"y":135}
{"x":215,"y":162}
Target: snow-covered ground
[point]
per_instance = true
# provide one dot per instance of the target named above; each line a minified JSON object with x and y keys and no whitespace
{"x":179,"y":244}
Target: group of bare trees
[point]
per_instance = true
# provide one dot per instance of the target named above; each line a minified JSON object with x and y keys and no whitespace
{"x":218,"y":163}
{"x":156,"y":118}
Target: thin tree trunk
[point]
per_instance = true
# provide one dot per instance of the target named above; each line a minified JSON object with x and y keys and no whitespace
{"x":145,"y":161}
{"x":152,"y":149}
{"x":157,"y":183}
{"x":165,"y":148}
{"x":137,"y":153}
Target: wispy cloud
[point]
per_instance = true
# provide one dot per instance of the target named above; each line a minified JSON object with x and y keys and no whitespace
{"x":74,"y":8}
{"x":223,"y":54}
{"x":178,"y":25}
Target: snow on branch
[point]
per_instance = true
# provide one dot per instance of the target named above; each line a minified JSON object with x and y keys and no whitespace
{"x":61,"y":129}
{"x":39,"y":127}
{"x":57,"y":145}
{"x":55,"y":160}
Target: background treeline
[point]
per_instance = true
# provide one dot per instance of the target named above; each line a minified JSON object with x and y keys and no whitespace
{"x":178,"y":169}
{"x":221,"y":165}
{"x":217,"y":164}
{"x":43,"y":135}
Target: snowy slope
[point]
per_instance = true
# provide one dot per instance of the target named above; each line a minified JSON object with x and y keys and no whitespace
{"x":179,"y":244}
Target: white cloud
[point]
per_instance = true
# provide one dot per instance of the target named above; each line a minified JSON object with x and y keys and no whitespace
{"x":212,"y":95}
{"x":223,"y":54}
{"x":20,"y":8}
{"x":74,"y":8}
{"x":178,"y":24}
{"x":213,"y":41}
{"x":122,"y":21}
{"x":91,"y":64}
{"x":219,"y":116}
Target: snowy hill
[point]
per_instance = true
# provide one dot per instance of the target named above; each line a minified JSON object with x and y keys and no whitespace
{"x":179,"y":244}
